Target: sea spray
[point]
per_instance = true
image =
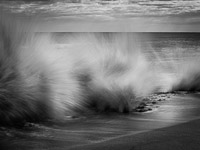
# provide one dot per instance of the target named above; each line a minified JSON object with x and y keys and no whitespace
{"x":54,"y":75}
{"x":44,"y":79}
{"x":187,"y":75}
{"x":179,"y":68}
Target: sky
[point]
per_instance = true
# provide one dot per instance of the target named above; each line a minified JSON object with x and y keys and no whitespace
{"x":109,"y":15}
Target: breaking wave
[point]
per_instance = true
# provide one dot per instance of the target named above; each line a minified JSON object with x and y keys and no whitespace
{"x":53,"y":75}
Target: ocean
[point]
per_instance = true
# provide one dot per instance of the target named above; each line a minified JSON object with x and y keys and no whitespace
{"x":93,"y":74}
{"x":164,"y":63}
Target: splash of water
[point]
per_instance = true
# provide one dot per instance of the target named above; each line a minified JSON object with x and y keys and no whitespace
{"x":51,"y":75}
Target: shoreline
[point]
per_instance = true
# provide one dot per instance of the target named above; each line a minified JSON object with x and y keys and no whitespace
{"x":176,"y":119}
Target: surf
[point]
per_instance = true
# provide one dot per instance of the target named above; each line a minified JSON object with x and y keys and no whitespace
{"x":49,"y":76}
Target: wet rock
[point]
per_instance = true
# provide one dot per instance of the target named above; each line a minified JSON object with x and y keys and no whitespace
{"x":149,"y":109}
{"x":140,"y":107}
{"x":140,"y":110}
{"x":146,"y":99}
{"x":154,"y":102}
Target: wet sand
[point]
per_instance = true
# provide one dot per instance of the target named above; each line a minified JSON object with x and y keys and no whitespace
{"x":172,"y":124}
{"x":179,"y":137}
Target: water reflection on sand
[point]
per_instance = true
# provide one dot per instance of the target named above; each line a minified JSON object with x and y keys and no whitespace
{"x":179,"y":108}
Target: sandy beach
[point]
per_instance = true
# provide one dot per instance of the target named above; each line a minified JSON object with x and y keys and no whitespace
{"x":173,"y":124}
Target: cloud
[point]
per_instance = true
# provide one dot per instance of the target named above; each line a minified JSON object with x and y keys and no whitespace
{"x":112,"y":15}
{"x":118,"y":8}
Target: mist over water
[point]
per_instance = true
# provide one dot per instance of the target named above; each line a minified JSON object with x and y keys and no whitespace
{"x":66,"y":74}
{"x":177,"y":58}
